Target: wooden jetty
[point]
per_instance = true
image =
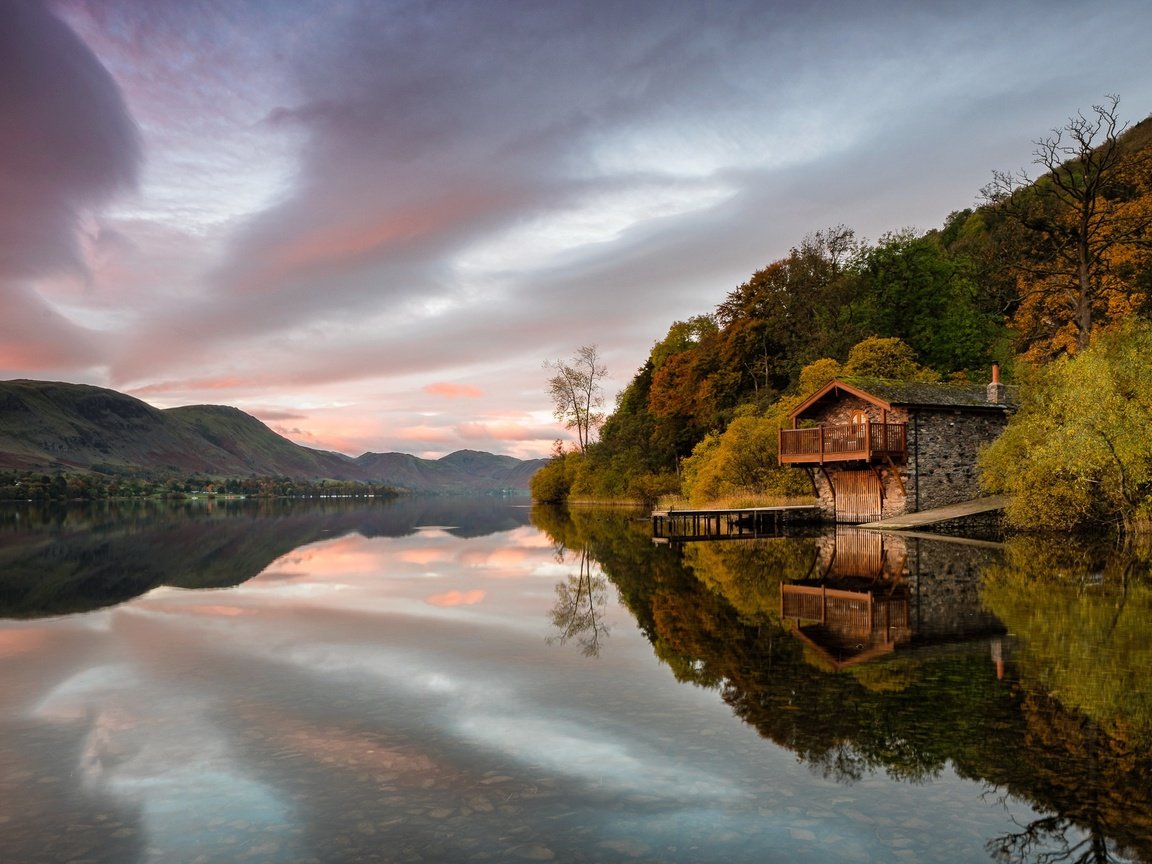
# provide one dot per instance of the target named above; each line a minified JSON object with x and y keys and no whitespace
{"x":676,"y":526}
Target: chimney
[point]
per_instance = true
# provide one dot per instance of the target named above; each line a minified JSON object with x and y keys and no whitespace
{"x":996,"y":391}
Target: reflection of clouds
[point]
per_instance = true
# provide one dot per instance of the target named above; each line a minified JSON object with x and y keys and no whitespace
{"x":503,"y":558}
{"x":69,"y":700}
{"x":16,"y":642}
{"x":340,"y":556}
{"x":590,"y":751}
{"x":152,"y":745}
{"x":424,"y":556}
{"x":234,"y":701}
{"x":217,"y":611}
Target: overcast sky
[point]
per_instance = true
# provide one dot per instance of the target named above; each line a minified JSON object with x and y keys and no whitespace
{"x":369,"y":222}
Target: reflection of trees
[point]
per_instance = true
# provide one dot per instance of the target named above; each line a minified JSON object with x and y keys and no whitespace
{"x":1095,"y":791}
{"x":748,"y":573}
{"x":1066,"y":729}
{"x":1046,"y":841}
{"x":580,"y":604}
{"x":1080,"y":616}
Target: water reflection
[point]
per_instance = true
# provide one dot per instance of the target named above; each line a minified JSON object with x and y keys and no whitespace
{"x":60,"y":559}
{"x":580,"y":612}
{"x":869,"y":593}
{"x":383,"y":684}
{"x":1026,"y":667}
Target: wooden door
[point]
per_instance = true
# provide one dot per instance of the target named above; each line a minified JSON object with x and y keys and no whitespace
{"x":858,"y":496}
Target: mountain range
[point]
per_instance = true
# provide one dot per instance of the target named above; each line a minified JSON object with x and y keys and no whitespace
{"x":52,"y":426}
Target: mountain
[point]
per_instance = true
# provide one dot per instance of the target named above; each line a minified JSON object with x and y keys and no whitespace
{"x":457,"y":472}
{"x":53,"y":426}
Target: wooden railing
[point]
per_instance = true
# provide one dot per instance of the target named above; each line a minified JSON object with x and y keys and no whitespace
{"x":858,"y":614}
{"x":866,"y":441}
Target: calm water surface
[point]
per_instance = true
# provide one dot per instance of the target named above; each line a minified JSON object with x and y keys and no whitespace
{"x":442,"y":680}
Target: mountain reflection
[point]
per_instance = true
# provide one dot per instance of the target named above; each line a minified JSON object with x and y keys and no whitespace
{"x":57,"y":560}
{"x":863,"y":653}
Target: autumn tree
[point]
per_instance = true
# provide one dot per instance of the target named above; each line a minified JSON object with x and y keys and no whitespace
{"x":790,"y":312}
{"x":1081,"y":214}
{"x":1078,"y":453}
{"x":577,"y":392}
{"x":682,"y":397}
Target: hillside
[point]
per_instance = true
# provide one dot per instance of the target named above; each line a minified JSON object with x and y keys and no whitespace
{"x":1049,"y":259}
{"x":54,"y":426}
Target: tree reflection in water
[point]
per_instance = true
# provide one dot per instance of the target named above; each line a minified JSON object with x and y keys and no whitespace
{"x":1058,"y":714}
{"x":581,"y":600}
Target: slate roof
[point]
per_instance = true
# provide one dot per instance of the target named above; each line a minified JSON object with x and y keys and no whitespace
{"x":889,"y":393}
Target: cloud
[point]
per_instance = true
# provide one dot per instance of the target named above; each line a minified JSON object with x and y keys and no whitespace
{"x":67,"y":139}
{"x":380,"y":218}
{"x":68,"y":144}
{"x":453,"y":391}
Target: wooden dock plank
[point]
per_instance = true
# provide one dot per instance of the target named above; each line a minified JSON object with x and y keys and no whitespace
{"x":726,"y":523}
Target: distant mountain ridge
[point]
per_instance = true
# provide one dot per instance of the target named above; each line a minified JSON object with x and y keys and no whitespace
{"x":54,"y":426}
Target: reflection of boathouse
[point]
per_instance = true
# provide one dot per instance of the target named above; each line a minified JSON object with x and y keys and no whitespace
{"x":877,"y":449}
{"x":870,"y":592}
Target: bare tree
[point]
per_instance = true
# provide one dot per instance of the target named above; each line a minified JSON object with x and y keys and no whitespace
{"x":577,"y":392}
{"x":1076,"y":210}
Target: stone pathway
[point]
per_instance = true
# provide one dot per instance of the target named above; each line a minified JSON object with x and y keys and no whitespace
{"x":939,"y":514}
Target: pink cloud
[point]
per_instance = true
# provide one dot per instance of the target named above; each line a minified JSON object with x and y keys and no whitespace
{"x":504,"y":430}
{"x":457,"y":598}
{"x":193,"y":384}
{"x":37,"y":340}
{"x":454,"y":391}
{"x":68,"y":141}
{"x":426,"y":435}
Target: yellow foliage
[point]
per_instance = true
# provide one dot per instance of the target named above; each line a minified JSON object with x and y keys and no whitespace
{"x":1078,"y":452}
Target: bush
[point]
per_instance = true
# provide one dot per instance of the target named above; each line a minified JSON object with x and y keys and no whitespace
{"x":1078,"y":452}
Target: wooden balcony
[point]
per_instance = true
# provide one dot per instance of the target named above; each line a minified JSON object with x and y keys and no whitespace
{"x":866,"y":442}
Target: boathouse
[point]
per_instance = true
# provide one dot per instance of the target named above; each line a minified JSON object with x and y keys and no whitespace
{"x":876,"y":448}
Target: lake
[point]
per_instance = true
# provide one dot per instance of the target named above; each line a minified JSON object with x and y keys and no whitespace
{"x":448,"y":680}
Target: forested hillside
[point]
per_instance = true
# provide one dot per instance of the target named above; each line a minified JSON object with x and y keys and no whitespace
{"x":1052,"y":259}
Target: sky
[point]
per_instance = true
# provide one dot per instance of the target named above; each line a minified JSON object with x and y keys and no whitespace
{"x":368,"y":223}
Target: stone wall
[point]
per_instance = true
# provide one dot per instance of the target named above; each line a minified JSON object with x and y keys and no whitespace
{"x":945,"y":579}
{"x":839,"y":413}
{"x":943,"y":445}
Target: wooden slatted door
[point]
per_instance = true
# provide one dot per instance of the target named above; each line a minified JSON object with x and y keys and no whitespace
{"x":858,"y":496}
{"x":858,"y":553}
